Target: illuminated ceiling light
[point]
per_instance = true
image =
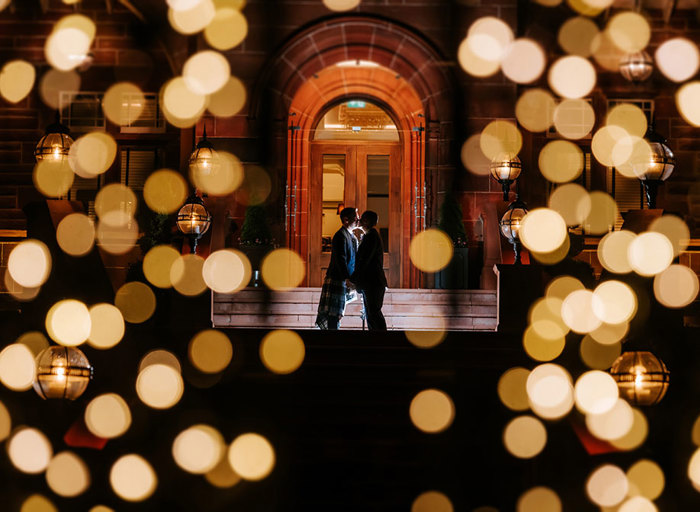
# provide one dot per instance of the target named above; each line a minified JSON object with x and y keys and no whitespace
{"x":193,"y":220}
{"x":641,"y":377}
{"x":510,"y":225}
{"x":660,"y":167}
{"x":357,"y":63}
{"x":62,"y":372}
{"x":636,"y":67}
{"x":505,"y":169}
{"x":56,"y":142}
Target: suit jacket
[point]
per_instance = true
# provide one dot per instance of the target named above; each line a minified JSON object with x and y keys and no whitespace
{"x":369,"y":267}
{"x":342,"y":263}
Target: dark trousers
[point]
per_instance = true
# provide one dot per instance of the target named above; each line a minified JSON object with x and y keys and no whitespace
{"x":373,"y":299}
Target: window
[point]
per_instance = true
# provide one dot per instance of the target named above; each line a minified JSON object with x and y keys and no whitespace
{"x":137,"y":165}
{"x":82,"y":111}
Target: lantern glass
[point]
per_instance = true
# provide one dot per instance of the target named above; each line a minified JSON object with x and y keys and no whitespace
{"x":662,"y":162}
{"x":53,"y":146}
{"x":511,"y":222}
{"x":203,"y":160}
{"x":62,"y":372}
{"x":641,"y":377}
{"x":505,"y":168}
{"x":193,"y":219}
{"x":636,"y":67}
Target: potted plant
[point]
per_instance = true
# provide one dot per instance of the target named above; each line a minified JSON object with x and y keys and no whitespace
{"x":455,"y":276}
{"x":256,"y":238}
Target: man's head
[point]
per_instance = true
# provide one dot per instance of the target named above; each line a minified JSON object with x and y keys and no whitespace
{"x":369,"y":219}
{"x":348,"y":217}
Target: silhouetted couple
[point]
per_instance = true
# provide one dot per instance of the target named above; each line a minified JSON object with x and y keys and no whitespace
{"x":354,"y":267}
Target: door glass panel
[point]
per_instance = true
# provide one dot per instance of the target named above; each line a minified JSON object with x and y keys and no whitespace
{"x":333,"y":197}
{"x":378,"y":193}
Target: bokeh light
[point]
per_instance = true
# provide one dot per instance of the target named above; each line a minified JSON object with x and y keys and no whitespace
{"x":636,"y":435}
{"x":612,"y":424}
{"x":181,"y":106}
{"x":629,"y":117}
{"x":282,"y":351}
{"x":629,"y":31}
{"x":606,"y":53}
{"x":29,"y":450}
{"x":432,"y":411}
{"x":186,"y":275}
{"x":637,"y":504}
{"x":222,"y":476}
{"x":165,"y":191}
{"x":688,"y":102}
{"x":16,"y":80}
{"x":159,"y":386}
{"x":524,"y":61}
{"x":92,"y":154}
{"x":106,"y":326}
{"x":613,"y":249}
{"x":550,"y":391}
{"x":595,"y":392}
{"x":525,"y":437}
{"x":117,"y":238}
{"x":599,"y":356}
{"x":578,"y":313}
{"x":500,"y":138}
{"x":561,"y":161}
{"x":646,"y":479}
{"x":67,"y":475}
{"x":614,"y":302}
{"x":489,"y":38}
{"x":572,"y":202}
{"x":607,"y":486}
{"x":17,"y":367}
{"x":539,"y":499}
{"x":675,"y":229}
{"x":543,"y":230}
{"x":136,"y":301}
{"x":229,"y":100}
{"x":108,"y":416}
{"x":341,"y":5}
{"x":676,"y":287}
{"x":543,"y":347}
{"x":473,"y":158}
{"x":194,"y":19}
{"x":221,"y":179}
{"x":132,"y":478}
{"x":157,"y":264}
{"x":610,"y":334}
{"x":603,"y":213}
{"x":473,"y":64}
{"x":678,"y":59}
{"x":68,"y":322}
{"x":69,"y":43}
{"x":256,"y":186}
{"x":576,"y":36}
{"x":29,"y":263}
{"x":53,"y":82}
{"x":75,"y":234}
{"x":282,"y":269}
{"x":228,"y":28}
{"x":574,"y":118}
{"x":534,"y":110}
{"x":123,"y":103}
{"x":512,"y":389}
{"x":160,"y":356}
{"x":36,"y":502}
{"x":5,"y":422}
{"x":432,"y":501}
{"x":611,"y":145}
{"x":650,"y":253}
{"x":206,"y":72}
{"x":210,"y":351}
{"x":198,"y":449}
{"x":572,"y":77}
{"x":545,"y":318}
{"x":35,"y":341}
{"x":116,"y":204}
{"x":426,"y":339}
{"x":560,"y":287}
{"x":226,"y":271}
{"x":251,"y":456}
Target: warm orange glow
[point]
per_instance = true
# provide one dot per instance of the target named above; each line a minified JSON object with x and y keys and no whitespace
{"x":29,"y":263}
{"x":53,"y":82}
{"x":572,"y":77}
{"x":603,"y":213}
{"x":16,"y":80}
{"x":678,"y":59}
{"x":228,"y":28}
{"x":123,"y":103}
{"x":595,"y":392}
{"x":198,"y":449}
{"x":614,"y":302}
{"x":210,"y":351}
{"x":550,"y":391}
{"x":116,"y":204}
{"x":432,"y":501}
{"x":157,"y":264}
{"x":75,"y":234}
{"x":511,"y":389}
{"x":607,"y":486}
{"x":525,"y":437}
{"x":181,"y":106}
{"x":646,"y":479}
{"x":578,"y":313}
{"x":629,"y":31}
{"x":220,"y":179}
{"x":165,"y":191}
{"x":227,"y":271}
{"x":132,"y":478}
{"x":629,"y":117}
{"x":524,"y":61}
{"x":599,"y":356}
{"x":561,"y":161}
{"x":612,"y":424}
{"x":186,"y":275}
{"x":106,"y":326}
{"x":67,"y":475}
{"x":576,"y":36}
{"x":17,"y":367}
{"x":574,"y":118}
{"x":431,"y":250}
{"x":426,"y":339}
{"x":676,"y":287}
{"x":282,"y":351}
{"x":500,"y":138}
{"x":29,"y":450}
{"x":612,"y":251}
{"x":36,"y":502}
{"x":68,"y":322}
{"x":543,"y":340}
{"x":229,"y":100}
{"x":159,"y":386}
{"x":108,"y":416}
{"x":432,"y":411}
{"x":539,"y":499}
{"x":560,"y":287}
{"x":543,"y":230}
{"x":206,"y":72}
{"x":222,"y":476}
{"x":251,"y":456}
{"x":535,"y":110}
{"x":675,"y":229}
{"x":688,"y":102}
{"x":53,"y":178}
{"x":191,"y":18}
{"x":136,"y":301}
{"x":283,"y":269}
{"x":637,"y":434}
{"x":572,"y":202}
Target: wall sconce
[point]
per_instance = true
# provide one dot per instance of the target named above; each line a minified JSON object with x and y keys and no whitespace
{"x":641,"y":377}
{"x":56,"y":142}
{"x":62,"y":372}
{"x":636,"y":67}
{"x":505,"y":169}
{"x":510,"y":226}
{"x":193,"y":220}
{"x":203,"y":159}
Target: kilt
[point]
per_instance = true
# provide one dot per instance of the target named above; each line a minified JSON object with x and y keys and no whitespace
{"x":332,"y":302}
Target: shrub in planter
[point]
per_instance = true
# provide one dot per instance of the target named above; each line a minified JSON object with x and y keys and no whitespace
{"x":454,"y":276}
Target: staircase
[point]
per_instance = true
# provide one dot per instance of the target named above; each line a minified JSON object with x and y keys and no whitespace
{"x":404,"y":309}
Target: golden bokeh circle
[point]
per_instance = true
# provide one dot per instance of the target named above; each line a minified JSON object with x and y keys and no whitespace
{"x":578,"y":313}
{"x":599,"y":356}
{"x":107,"y":416}
{"x":227,"y":29}
{"x":473,"y":158}
{"x":432,"y":501}
{"x":229,"y":100}
{"x":431,"y":250}
{"x":17,"y":367}
{"x":132,"y":478}
{"x":534,"y":110}
{"x":678,"y":59}
{"x":186,"y":275}
{"x":123,"y":103}
{"x":561,"y":161}
{"x":53,"y":178}
{"x":646,"y":479}
{"x":629,"y":117}
{"x":500,"y":138}
{"x":30,"y":451}
{"x":29,"y":263}
{"x":572,"y":202}
{"x":525,"y":437}
{"x":92,"y":154}
{"x":688,"y":102}
{"x":75,"y":234}
{"x":540,"y":347}
{"x":36,"y":502}
{"x":576,"y":36}
{"x":117,"y":238}
{"x":67,"y":46}
{"x":426,"y":339}
{"x":157,"y":264}
{"x":53,"y":82}
{"x":67,"y":475}
{"x":550,"y":391}
{"x":16,"y":80}
{"x":489,"y":38}
{"x":227,"y":271}
{"x":210,"y":351}
{"x":206,"y":72}
{"x":572,"y":77}
{"x":613,"y":424}
{"x":181,"y":106}
{"x":675,"y":229}
{"x":282,"y":351}
{"x":595,"y":392}
{"x":629,"y":31}
{"x":512,"y":390}
{"x":222,"y":476}
{"x":574,"y":118}
{"x":607,"y":486}
{"x":612,"y":251}
{"x":193,"y":19}
{"x":116,"y":204}
{"x":524,"y":61}
{"x":160,"y":356}
{"x":637,"y":434}
{"x":68,"y":322}
{"x":610,"y":334}
{"x":159,"y":386}
{"x":560,"y":287}
{"x":251,"y":456}
{"x":543,"y":230}
{"x":614,"y":302}
{"x":539,"y":499}
{"x":676,"y":287}
{"x":198,"y":449}
{"x":603,"y":213}
{"x":5,"y":422}
{"x":107,"y":326}
{"x":136,"y":301}
{"x":221,"y":179}
{"x":650,"y":253}
{"x":474,"y":65}
{"x":256,"y":186}
{"x":432,"y":411}
{"x":282,"y":269}
{"x":165,"y":191}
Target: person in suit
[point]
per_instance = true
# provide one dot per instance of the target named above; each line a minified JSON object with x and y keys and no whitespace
{"x":369,"y":276}
{"x":336,"y":285}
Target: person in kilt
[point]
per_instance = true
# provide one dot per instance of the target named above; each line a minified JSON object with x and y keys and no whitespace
{"x":337,"y":283}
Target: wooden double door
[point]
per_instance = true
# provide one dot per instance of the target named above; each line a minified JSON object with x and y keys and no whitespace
{"x":365,"y":175}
